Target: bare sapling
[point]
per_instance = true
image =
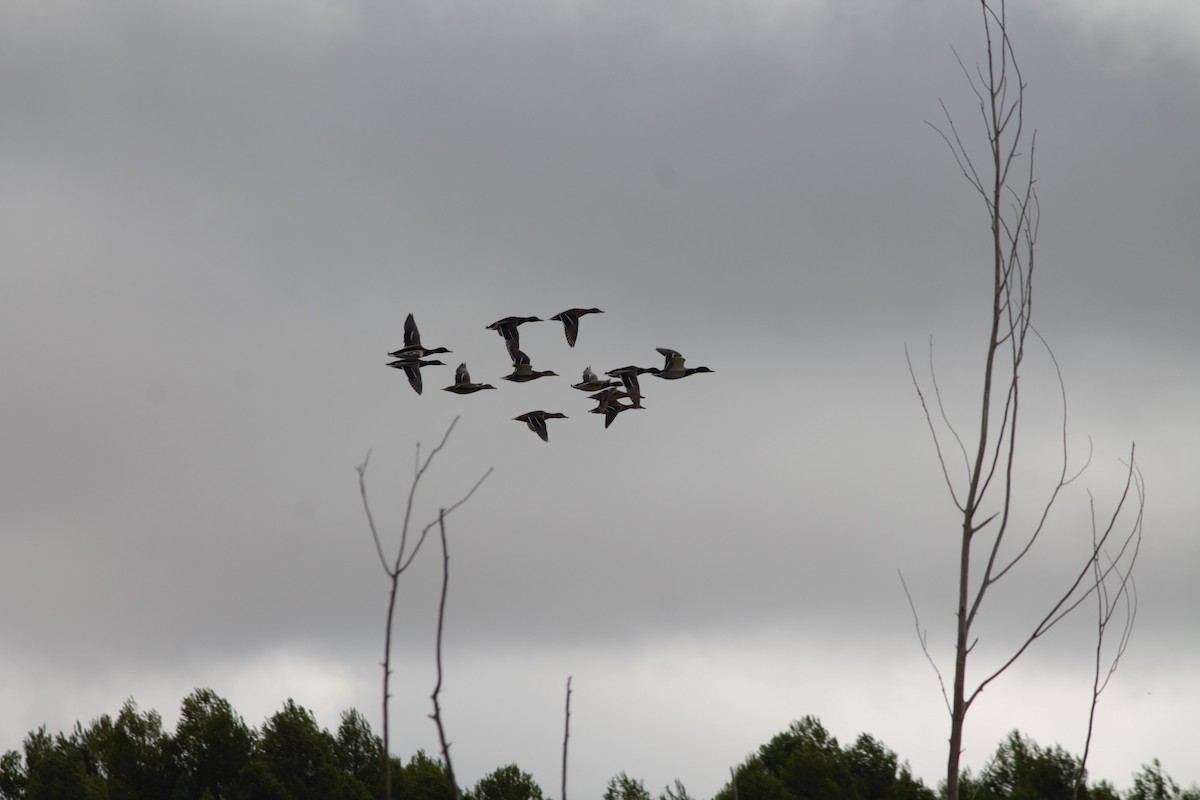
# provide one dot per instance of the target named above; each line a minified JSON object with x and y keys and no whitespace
{"x":999,"y":527}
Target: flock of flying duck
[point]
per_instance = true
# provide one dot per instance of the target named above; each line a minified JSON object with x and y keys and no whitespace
{"x":608,"y":392}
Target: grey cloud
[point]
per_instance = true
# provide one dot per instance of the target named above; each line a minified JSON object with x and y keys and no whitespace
{"x":216,"y":220}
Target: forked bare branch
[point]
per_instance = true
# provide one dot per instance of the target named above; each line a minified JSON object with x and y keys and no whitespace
{"x":937,"y":443}
{"x":394,"y":569}
{"x":446,"y":512}
{"x":1108,"y":601}
{"x":1080,"y":589}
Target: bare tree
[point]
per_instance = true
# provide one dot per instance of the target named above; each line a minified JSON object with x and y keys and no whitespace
{"x":394,"y":568}
{"x":993,"y":537}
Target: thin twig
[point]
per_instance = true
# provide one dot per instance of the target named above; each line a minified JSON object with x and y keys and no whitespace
{"x":566,"y":736}
{"x":446,"y":511}
{"x":937,"y":444}
{"x":922,"y":637}
{"x":1106,"y":606}
{"x":412,"y":491}
{"x":362,"y":489}
{"x":937,"y":393}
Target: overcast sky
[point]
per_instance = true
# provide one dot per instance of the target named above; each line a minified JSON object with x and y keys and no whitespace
{"x":214,"y":218}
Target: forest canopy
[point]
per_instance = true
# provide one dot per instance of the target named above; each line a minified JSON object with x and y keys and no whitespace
{"x":214,"y":754}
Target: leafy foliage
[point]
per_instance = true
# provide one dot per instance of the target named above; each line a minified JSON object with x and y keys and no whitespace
{"x":133,"y":754}
{"x":623,"y":787}
{"x":358,"y":750}
{"x":214,"y":755}
{"x":1152,"y":783}
{"x":1021,"y":769}
{"x":805,"y":762}
{"x":677,"y":792}
{"x":425,"y":778}
{"x":507,"y":783}
{"x":212,"y":745}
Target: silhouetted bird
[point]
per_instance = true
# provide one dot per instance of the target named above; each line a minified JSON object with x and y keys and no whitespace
{"x":610,"y":404}
{"x":507,"y":328}
{"x":413,"y":370}
{"x":674,"y":369}
{"x":629,"y":377}
{"x":462,"y":382}
{"x":592,"y":382}
{"x":523,"y":371}
{"x":412,"y":349}
{"x":536,"y":420}
{"x":570,"y":321}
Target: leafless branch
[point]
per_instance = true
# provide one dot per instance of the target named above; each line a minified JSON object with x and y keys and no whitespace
{"x":1072,"y":597}
{"x":937,"y":392}
{"x":932,"y":430}
{"x":566,"y":736}
{"x":412,"y":491}
{"x":445,"y":512}
{"x":922,"y":637}
{"x":362,"y":488}
{"x":395,"y":569}
{"x":1123,"y":596}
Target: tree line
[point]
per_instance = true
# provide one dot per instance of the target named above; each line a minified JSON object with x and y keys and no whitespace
{"x":214,"y":755}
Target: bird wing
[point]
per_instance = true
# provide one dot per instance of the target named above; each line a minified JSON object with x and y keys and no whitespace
{"x":570,"y":325}
{"x":413,"y":371}
{"x":412,"y":337}
{"x":513,"y":344}
{"x":610,"y":412}
{"x":674,"y":359}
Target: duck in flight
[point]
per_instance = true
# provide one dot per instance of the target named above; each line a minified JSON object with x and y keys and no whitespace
{"x":523,"y":371}
{"x":570,"y":321}
{"x":673,"y":369}
{"x":412,"y":350}
{"x":507,"y":328}
{"x":592,"y":382}
{"x":536,"y":420}
{"x":412,"y":368}
{"x":629,"y":377}
{"x":462,"y":382}
{"x":609,"y":404}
